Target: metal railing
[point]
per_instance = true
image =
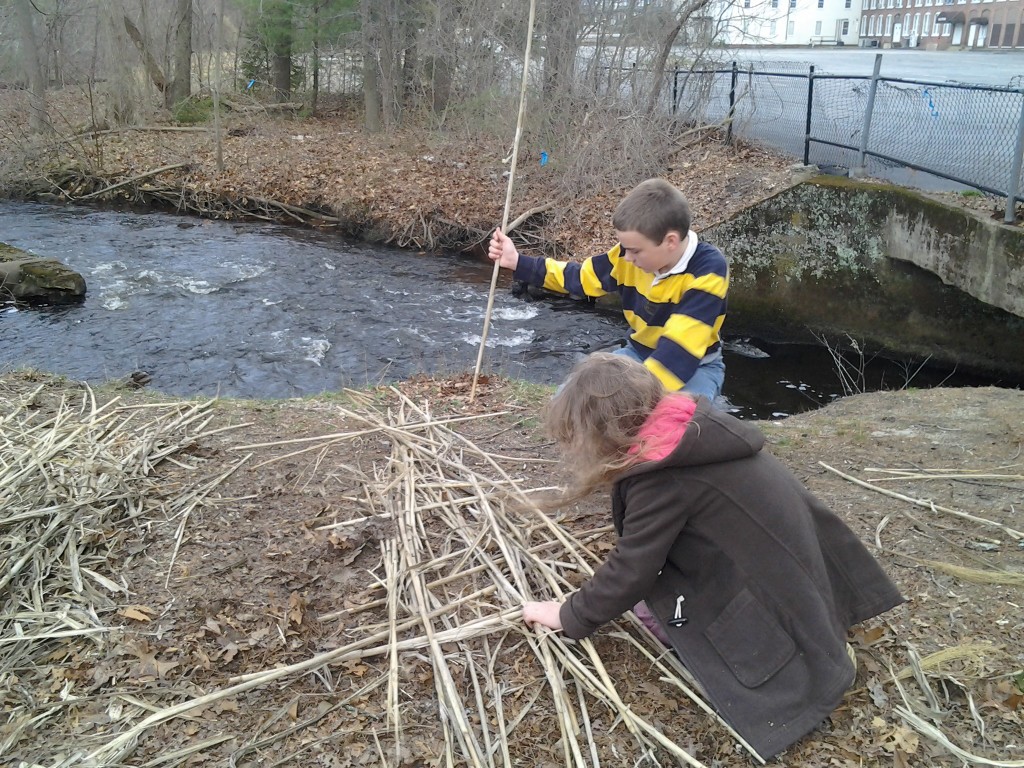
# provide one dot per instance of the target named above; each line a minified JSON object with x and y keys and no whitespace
{"x":971,"y":135}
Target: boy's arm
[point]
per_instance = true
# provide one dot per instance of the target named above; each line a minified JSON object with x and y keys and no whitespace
{"x":591,"y":277}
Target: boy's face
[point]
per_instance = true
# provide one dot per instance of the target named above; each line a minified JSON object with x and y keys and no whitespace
{"x":650,"y":256}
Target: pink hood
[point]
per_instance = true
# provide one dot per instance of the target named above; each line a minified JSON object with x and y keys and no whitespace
{"x":664,"y":428}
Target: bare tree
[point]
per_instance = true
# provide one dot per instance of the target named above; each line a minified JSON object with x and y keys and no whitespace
{"x":561,"y":27}
{"x":173,"y":81}
{"x":149,"y":60}
{"x":218,"y":47}
{"x":688,"y":10}
{"x":39,"y":121}
{"x":281,"y":29}
{"x":371,"y":51}
{"x":180,"y":87}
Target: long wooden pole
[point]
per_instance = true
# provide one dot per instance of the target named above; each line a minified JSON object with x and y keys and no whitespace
{"x":508,"y":197}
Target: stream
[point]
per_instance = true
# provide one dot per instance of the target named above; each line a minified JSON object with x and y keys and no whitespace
{"x":268,"y":311}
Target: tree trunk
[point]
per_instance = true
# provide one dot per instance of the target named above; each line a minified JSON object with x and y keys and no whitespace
{"x":371,"y":83}
{"x":389,"y":56}
{"x":280,"y":19}
{"x":371,"y":96}
{"x":180,"y":87}
{"x":39,"y":121}
{"x":152,"y":67}
{"x":560,"y":31}
{"x":316,"y":57}
{"x":440,"y":84}
{"x":658,"y":74}
{"x":218,"y":47}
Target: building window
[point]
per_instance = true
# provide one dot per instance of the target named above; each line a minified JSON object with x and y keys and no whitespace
{"x":926,"y":27}
{"x":863,"y":26}
{"x":817,"y":28}
{"x":790,"y":29}
{"x":847,"y":3}
{"x":746,"y":3}
{"x":888,"y":25}
{"x":771,"y":28}
{"x":821,"y":3}
{"x":845,"y":28}
{"x":775,"y":3}
{"x":792,"y":3}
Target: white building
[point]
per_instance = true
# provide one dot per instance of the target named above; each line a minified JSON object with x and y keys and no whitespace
{"x":789,"y":22}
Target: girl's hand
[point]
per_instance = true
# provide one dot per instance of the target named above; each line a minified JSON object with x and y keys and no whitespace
{"x":502,"y":250}
{"x":545,"y":614}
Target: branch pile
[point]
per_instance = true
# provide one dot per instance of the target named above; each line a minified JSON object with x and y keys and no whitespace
{"x":75,"y":481}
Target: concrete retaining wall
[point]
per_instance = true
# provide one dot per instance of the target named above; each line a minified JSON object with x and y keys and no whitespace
{"x":849,"y":257}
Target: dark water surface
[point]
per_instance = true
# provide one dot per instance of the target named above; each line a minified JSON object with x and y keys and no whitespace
{"x":259,"y":310}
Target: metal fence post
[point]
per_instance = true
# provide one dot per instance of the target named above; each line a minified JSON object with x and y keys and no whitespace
{"x":732,"y":103}
{"x":807,"y":127}
{"x":1018,"y":155}
{"x":866,"y":130}
{"x":675,"y":90}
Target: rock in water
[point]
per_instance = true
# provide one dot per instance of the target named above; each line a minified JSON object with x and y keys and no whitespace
{"x":37,"y":280}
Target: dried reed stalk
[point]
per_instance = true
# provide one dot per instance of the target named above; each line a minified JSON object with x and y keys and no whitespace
{"x":927,"y":504}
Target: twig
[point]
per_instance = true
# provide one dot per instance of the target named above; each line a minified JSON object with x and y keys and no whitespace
{"x":133,"y":179}
{"x":927,"y":504}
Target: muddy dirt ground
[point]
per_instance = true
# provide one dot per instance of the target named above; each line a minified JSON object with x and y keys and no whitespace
{"x":256,"y":573}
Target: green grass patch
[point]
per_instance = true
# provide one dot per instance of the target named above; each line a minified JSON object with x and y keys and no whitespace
{"x":193,"y":111}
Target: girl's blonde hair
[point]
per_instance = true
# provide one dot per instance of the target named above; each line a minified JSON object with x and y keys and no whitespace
{"x":596,"y":416}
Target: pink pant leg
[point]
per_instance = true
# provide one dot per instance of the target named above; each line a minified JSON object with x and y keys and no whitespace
{"x":643,"y":613}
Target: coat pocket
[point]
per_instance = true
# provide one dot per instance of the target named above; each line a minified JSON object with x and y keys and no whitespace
{"x":750,"y":641}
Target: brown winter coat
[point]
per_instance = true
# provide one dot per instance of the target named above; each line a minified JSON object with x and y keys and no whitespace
{"x":772,"y":579}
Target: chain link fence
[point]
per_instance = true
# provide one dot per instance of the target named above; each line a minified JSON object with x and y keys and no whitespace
{"x":970,"y":135}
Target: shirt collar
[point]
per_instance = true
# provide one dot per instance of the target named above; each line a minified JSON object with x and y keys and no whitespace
{"x":684,"y":260}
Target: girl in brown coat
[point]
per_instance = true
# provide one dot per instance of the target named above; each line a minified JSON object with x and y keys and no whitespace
{"x":750,"y":578}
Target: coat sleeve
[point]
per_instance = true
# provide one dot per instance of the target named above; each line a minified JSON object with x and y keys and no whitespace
{"x":653,"y":518}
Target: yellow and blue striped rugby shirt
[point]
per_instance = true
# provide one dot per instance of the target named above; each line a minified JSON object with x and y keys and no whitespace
{"x":676,"y":320}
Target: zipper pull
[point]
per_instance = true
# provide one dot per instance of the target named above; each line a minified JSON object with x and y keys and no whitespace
{"x":678,"y":619}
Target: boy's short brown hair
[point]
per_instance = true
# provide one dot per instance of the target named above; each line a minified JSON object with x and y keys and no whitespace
{"x":653,"y":208}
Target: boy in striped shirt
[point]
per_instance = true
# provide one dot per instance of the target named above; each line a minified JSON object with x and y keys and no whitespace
{"x":672,"y":286}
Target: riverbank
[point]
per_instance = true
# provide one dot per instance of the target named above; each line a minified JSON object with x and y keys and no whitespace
{"x":414,"y":188}
{"x":249,"y":578}
{"x":255,"y":547}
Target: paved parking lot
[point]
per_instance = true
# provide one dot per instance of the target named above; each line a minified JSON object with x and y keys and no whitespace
{"x":980,"y":67}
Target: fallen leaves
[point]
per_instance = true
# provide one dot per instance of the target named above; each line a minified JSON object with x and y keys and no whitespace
{"x":149,"y":667}
{"x":137,"y":613}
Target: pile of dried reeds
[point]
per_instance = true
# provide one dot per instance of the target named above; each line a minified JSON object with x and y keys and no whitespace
{"x":467,"y":548}
{"x":75,"y":480}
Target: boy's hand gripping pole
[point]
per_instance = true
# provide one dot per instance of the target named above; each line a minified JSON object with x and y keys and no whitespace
{"x":508,"y":197}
